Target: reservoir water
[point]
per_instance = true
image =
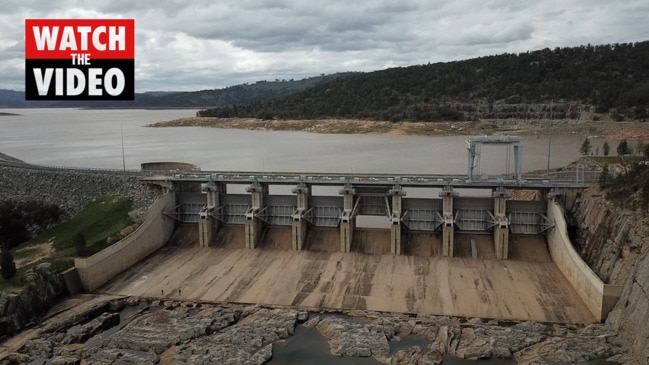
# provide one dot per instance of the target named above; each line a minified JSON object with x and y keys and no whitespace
{"x":93,"y":138}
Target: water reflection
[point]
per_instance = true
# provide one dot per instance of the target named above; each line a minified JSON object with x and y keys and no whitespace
{"x":309,"y":347}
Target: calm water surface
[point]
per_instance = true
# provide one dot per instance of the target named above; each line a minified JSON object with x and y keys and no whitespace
{"x":93,"y":138}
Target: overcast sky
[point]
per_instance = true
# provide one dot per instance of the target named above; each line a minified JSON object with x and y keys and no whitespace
{"x":206,"y":44}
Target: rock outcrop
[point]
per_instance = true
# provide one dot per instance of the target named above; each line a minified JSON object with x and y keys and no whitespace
{"x":17,"y":310}
{"x":614,"y":240}
{"x":201,"y":333}
{"x":348,"y":337}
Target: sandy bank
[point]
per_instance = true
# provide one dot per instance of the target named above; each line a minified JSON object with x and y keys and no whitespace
{"x":603,"y":128}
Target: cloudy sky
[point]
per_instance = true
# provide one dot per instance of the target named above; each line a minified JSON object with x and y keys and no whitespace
{"x":206,"y":44}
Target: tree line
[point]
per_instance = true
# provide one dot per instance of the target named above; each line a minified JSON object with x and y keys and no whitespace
{"x":624,"y":148}
{"x":609,"y":78}
{"x":18,"y":222}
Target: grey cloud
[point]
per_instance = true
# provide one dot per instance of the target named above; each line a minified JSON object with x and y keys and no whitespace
{"x":182,"y":45}
{"x":498,"y":33}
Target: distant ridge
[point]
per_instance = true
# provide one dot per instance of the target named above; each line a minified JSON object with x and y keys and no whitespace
{"x":234,"y":95}
{"x":558,"y":83}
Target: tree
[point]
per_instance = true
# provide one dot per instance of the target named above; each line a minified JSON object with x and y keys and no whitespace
{"x":18,"y":220}
{"x":623,"y":148}
{"x":585,"y":147}
{"x":639,"y":149}
{"x":80,"y":243}
{"x":645,"y":152}
{"x":606,"y":148}
{"x":604,"y":177}
{"x":7,"y":265}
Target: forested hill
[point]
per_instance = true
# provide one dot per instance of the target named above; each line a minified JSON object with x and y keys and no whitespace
{"x":611,"y":78}
{"x":238,"y":94}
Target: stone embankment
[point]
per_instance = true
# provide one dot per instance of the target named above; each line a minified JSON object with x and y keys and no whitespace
{"x":614,"y":240}
{"x":201,"y":333}
{"x":71,"y":190}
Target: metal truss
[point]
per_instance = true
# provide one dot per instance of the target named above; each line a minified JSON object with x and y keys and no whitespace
{"x":231,"y":213}
{"x":422,"y":219}
{"x":323,"y":216}
{"x":479,"y":220}
{"x":529,"y":223}
{"x":186,"y":212}
{"x":277,"y":215}
{"x":375,"y":204}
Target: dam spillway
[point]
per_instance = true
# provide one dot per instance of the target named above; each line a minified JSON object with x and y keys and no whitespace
{"x":474,"y":281}
{"x":293,"y":239}
{"x":207,"y":201}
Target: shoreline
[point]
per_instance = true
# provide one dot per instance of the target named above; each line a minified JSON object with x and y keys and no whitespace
{"x":606,"y":129}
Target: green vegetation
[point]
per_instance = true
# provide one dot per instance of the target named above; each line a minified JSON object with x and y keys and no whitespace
{"x":610,"y":78}
{"x":7,"y":265}
{"x":97,"y":224}
{"x":17,"y":218}
{"x":604,"y":177}
{"x":80,"y":244}
{"x":623,"y":148}
{"x":585,"y":148}
{"x":100,"y":220}
{"x":630,"y":187}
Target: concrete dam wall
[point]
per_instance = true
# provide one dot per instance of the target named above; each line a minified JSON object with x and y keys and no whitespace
{"x":152,"y":234}
{"x":518,"y":281}
{"x":612,"y":239}
{"x":600,"y":298}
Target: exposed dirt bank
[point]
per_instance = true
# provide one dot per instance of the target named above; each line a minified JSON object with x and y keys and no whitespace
{"x":604,"y":128}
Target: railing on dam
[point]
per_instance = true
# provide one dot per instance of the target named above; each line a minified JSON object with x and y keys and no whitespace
{"x":566,"y":179}
{"x":89,"y":170}
{"x":578,"y":177}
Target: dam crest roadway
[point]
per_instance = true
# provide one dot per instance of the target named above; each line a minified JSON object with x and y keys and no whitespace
{"x":488,"y":256}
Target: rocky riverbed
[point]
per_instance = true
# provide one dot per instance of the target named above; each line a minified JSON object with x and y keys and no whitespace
{"x":133,"y":330}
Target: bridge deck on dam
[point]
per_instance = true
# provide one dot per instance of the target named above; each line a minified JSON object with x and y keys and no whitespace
{"x":528,"y":286}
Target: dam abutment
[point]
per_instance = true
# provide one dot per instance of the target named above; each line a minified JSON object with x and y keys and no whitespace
{"x":600,"y":298}
{"x":153,"y":233}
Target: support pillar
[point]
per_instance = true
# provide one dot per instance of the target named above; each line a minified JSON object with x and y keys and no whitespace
{"x":207,"y":226}
{"x":396,"y":245}
{"x":205,"y":230}
{"x":299,"y":224}
{"x":501,"y":230}
{"x":448,"y":227}
{"x":254,"y":225}
{"x":347,"y":219}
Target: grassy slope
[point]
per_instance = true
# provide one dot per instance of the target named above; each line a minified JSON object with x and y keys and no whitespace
{"x":98,"y":221}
